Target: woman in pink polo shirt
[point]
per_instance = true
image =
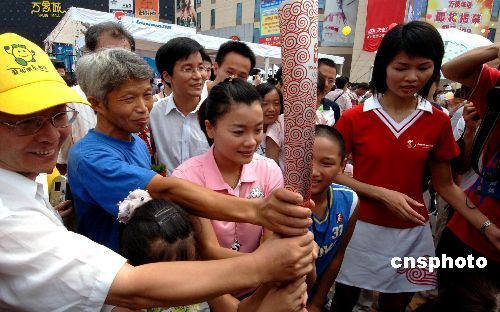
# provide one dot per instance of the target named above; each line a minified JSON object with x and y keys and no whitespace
{"x":234,"y":121}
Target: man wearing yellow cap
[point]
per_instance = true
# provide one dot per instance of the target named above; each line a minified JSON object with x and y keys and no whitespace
{"x":44,"y":267}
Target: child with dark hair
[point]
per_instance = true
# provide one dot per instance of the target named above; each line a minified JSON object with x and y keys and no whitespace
{"x":275,"y":137}
{"x":334,"y":214}
{"x":156,"y":230}
{"x":272,"y":107}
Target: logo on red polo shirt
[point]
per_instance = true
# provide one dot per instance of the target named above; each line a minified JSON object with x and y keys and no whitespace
{"x":413,"y":144}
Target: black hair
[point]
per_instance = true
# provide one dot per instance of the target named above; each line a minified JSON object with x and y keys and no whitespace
{"x":220,"y":99}
{"x":415,"y":39}
{"x":176,"y":49}
{"x":58,"y":64}
{"x":279,"y":75}
{"x":333,"y":135}
{"x":237,"y":47}
{"x":115,"y":30}
{"x":254,"y":72}
{"x":272,"y":80}
{"x":473,"y":294}
{"x":362,"y":85}
{"x":205,"y":57}
{"x":265,"y":88}
{"x":321,"y":83}
{"x":340,"y":82}
{"x":158,"y":231}
{"x":327,"y":62}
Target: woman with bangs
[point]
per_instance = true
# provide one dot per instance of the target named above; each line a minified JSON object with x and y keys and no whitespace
{"x":392,"y":137}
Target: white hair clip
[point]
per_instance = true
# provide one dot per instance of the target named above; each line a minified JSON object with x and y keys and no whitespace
{"x":127,"y":207}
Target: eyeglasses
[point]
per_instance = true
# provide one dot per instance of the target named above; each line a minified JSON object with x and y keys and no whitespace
{"x":34,"y":124}
{"x":192,"y":71}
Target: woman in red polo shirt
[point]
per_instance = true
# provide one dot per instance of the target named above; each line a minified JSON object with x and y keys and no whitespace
{"x":392,"y":137}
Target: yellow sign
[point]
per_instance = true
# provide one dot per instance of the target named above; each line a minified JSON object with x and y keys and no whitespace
{"x":469,"y":16}
{"x":47,"y":9}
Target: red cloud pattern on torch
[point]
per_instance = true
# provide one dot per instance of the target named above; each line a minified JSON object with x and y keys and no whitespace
{"x":299,"y":39}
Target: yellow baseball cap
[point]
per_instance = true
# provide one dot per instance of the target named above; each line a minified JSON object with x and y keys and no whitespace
{"x":28,"y":81}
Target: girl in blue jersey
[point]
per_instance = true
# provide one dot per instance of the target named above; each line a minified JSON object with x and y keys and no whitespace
{"x":334,"y":214}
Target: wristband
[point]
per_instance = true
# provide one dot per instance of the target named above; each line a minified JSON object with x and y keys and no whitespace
{"x":485,"y":226}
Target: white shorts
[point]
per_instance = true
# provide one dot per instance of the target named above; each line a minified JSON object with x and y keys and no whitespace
{"x":367,"y":260}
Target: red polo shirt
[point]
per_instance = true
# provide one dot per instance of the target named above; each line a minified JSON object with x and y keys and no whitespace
{"x":393,"y":155}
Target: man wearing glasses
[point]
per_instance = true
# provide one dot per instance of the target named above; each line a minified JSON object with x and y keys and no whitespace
{"x":174,"y":122}
{"x":44,"y":267}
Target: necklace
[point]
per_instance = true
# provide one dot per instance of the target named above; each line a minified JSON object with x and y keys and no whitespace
{"x":236,"y":244}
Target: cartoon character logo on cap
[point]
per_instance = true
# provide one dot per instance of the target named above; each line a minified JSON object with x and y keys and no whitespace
{"x":20,"y":53}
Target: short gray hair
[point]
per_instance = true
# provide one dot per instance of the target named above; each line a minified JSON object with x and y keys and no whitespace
{"x":99,"y":73}
{"x":114,"y":29}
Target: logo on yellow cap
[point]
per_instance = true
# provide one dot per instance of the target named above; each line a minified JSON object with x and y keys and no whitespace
{"x":23,"y":56}
{"x":20,"y":53}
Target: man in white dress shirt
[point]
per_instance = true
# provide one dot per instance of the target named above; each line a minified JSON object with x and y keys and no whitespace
{"x":44,"y":267}
{"x":174,"y":124}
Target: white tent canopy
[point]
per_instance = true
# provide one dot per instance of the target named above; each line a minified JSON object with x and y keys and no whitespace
{"x":150,"y":35}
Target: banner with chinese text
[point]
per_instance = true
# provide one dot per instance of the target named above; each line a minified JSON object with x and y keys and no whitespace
{"x":147,"y":9}
{"x":380,"y":14}
{"x":339,"y":14}
{"x":468,"y":16}
{"x":269,"y":22}
{"x":47,"y":9}
{"x":126,"y":6}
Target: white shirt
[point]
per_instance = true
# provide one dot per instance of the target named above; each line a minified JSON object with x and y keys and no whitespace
{"x":204,"y":91}
{"x":43,"y":266}
{"x":341,"y":97}
{"x":177,"y":137}
{"x":86,"y":120}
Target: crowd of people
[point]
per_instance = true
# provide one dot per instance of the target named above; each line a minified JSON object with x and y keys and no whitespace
{"x":178,"y":194}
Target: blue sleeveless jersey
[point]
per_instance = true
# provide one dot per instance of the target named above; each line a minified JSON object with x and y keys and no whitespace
{"x":329,"y":231}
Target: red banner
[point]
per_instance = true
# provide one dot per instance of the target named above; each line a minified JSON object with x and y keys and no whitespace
{"x":380,"y":14}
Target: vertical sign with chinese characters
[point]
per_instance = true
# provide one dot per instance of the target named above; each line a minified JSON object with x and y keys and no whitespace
{"x":469,"y":16}
{"x":47,"y":9}
{"x":269,"y":22}
{"x":378,"y":19}
{"x":147,"y":9}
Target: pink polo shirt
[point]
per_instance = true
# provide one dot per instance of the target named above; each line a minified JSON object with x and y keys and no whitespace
{"x":258,"y":179}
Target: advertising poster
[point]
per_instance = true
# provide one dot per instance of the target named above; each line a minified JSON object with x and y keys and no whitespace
{"x":64,"y":52}
{"x":186,"y":13}
{"x":269,"y":22}
{"x":378,"y":20}
{"x":147,"y":9}
{"x":469,"y":16}
{"x":126,"y":6}
{"x":416,"y":10}
{"x":339,"y":14}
